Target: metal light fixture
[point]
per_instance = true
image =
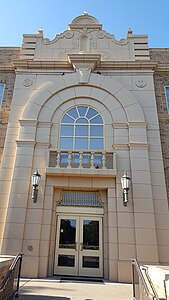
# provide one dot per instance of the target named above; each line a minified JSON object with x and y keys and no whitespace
{"x":125,"y":183}
{"x":35,"y":182}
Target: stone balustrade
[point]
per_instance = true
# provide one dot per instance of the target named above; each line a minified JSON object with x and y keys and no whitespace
{"x":82,"y":159}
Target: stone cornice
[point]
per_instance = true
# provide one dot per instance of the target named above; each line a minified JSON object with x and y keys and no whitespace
{"x":39,"y":64}
{"x":7,"y":68}
{"x":129,"y":65}
{"x":87,"y":59}
{"x":163,"y":116}
{"x":108,"y":65}
{"x":162,"y":68}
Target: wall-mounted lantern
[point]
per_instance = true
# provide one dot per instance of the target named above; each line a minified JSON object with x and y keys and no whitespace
{"x":125,"y":183}
{"x":35,"y":182}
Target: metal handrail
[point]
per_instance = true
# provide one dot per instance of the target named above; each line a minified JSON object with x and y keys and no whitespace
{"x":150,"y":281}
{"x":149,"y":295}
{"x":7,"y":289}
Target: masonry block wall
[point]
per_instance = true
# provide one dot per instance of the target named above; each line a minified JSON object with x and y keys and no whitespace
{"x":161,"y":79}
{"x":7,"y":77}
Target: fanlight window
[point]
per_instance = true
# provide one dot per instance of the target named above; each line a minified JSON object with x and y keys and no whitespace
{"x":80,"y":198}
{"x":82,"y":129}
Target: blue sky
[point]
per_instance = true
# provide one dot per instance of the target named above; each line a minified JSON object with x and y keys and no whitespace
{"x":144,"y":17}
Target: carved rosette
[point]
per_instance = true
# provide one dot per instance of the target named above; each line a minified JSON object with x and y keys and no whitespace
{"x":27,"y":82}
{"x":140,"y":83}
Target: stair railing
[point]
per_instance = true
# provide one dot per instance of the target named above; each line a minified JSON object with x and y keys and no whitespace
{"x":10,"y":284}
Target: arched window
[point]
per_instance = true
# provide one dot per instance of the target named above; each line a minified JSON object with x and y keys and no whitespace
{"x":82,"y":129}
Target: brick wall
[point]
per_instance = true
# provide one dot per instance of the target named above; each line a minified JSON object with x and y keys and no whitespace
{"x":7,"y":76}
{"x":161,"y":79}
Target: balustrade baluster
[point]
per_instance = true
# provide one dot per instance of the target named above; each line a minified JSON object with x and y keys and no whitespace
{"x":80,"y":159}
{"x":58,"y":159}
{"x":69,"y":161}
{"x":92,"y":160}
{"x":103,"y":160}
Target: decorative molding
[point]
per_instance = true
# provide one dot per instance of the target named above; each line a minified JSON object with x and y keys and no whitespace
{"x":138,"y":145}
{"x":137,"y":124}
{"x":31,"y":143}
{"x":140,"y":83}
{"x":128,"y":65}
{"x":83,"y":21}
{"x":28,"y":122}
{"x":129,"y":124}
{"x":120,"y":125}
{"x":68,"y":34}
{"x":27,"y":143}
{"x":41,"y":64}
{"x":84,"y":172}
{"x":85,"y":58}
{"x":27,"y":82}
{"x":120,"y":146}
{"x":44,"y":124}
{"x":130,"y":146}
{"x":42,"y":145}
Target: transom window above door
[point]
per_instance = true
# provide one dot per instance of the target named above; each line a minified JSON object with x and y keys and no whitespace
{"x":82,"y":128}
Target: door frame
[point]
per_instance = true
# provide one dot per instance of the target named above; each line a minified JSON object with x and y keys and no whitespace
{"x":81,"y":212}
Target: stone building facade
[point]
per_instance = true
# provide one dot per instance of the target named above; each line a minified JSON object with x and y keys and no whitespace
{"x":85,"y":109}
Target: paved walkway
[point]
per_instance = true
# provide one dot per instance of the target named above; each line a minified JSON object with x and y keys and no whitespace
{"x":50,"y":289}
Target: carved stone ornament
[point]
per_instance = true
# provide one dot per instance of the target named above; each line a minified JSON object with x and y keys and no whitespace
{"x":140,"y":83}
{"x":68,"y":34}
{"x":85,"y":19}
{"x":27,"y":82}
{"x":30,"y":247}
{"x":101,"y":34}
{"x":83,"y":74}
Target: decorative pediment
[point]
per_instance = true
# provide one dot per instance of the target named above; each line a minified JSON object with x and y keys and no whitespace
{"x":85,"y":21}
{"x":85,"y":36}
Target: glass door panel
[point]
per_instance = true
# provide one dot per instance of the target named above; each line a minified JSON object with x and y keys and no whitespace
{"x":79,"y":246}
{"x":66,"y":257}
{"x":90,"y":256}
{"x":67,"y":237}
{"x":90,"y":235}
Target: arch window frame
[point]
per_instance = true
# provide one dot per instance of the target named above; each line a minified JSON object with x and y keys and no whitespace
{"x":93,"y":131}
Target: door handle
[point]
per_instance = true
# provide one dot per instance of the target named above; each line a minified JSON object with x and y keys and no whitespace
{"x":81,"y":246}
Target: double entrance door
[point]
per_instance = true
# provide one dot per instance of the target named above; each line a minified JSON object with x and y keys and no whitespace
{"x":79,"y":246}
